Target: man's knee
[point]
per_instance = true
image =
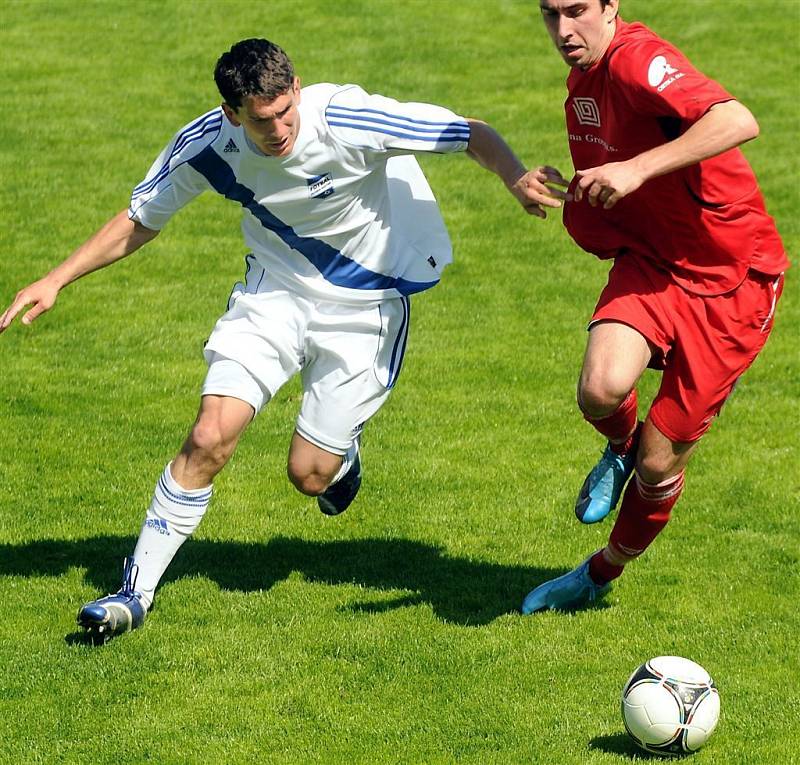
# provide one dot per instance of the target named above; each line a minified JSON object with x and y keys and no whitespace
{"x":307,"y":479}
{"x":658,"y":465}
{"x":207,"y":442}
{"x":601,"y":394}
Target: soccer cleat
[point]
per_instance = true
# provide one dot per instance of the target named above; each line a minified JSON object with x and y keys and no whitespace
{"x":603,"y":486}
{"x":571,"y":590}
{"x":338,"y":496}
{"x":114,"y":614}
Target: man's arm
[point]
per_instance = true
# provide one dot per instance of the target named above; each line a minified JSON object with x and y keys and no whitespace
{"x":722,"y":127}
{"x":115,"y":240}
{"x":534,"y":189}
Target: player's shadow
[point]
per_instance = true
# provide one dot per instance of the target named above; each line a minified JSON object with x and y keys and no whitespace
{"x":459,"y":590}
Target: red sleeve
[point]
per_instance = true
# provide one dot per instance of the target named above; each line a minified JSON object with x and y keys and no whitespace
{"x":659,"y":81}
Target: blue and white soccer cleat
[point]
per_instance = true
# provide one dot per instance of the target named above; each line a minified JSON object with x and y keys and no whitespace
{"x":571,"y":590}
{"x":114,"y":614}
{"x":338,"y":496}
{"x":603,"y":486}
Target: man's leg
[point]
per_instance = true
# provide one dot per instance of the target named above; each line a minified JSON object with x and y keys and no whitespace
{"x":353,"y":358}
{"x":616,"y":356}
{"x":184,"y":490}
{"x":180,"y":499}
{"x":333,"y":478}
{"x":646,"y":508}
{"x":647,"y":503}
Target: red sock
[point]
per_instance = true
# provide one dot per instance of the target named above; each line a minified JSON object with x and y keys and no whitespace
{"x":645,"y":510}
{"x":601,"y":571}
{"x":619,"y":427}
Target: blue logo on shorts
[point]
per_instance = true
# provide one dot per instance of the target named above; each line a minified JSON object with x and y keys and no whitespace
{"x":320,"y":186}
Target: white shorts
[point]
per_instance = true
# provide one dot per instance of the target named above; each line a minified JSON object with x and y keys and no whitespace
{"x":349,"y":358}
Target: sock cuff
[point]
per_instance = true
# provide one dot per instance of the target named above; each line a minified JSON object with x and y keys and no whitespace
{"x":171,"y":492}
{"x":659,"y":491}
{"x":630,"y":402}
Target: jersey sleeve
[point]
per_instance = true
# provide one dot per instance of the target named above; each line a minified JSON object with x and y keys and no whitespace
{"x":659,"y":81}
{"x":383,"y":125}
{"x":171,"y":182}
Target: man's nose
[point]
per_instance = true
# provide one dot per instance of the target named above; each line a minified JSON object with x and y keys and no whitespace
{"x":279,"y":130}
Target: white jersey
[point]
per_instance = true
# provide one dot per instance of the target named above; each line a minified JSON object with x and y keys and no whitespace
{"x":347,"y":216}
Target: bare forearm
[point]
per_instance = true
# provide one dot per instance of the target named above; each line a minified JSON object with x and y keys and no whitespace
{"x":491,"y":152}
{"x":534,"y":189}
{"x":117,"y":239}
{"x":723,"y":127}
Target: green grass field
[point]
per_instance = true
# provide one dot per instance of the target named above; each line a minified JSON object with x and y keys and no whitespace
{"x":390,"y":634}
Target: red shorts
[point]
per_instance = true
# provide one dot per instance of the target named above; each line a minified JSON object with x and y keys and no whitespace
{"x":704,"y":343}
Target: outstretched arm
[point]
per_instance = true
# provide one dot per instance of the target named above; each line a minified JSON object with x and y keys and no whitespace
{"x":534,"y":189}
{"x":115,"y":240}
{"x":722,"y":127}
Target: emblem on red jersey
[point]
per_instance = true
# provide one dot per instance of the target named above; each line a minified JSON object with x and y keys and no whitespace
{"x":659,"y":69}
{"x":587,"y":112}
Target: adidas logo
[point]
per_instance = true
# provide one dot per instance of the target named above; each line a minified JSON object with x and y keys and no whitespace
{"x":158,"y":524}
{"x":230,"y":146}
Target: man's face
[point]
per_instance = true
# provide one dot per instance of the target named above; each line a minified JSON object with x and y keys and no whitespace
{"x":271,"y":125}
{"x":581,"y":29}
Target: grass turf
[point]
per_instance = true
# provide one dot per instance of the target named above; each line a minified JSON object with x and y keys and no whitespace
{"x":388,"y":634}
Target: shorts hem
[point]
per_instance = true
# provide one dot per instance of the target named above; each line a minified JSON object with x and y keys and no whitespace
{"x":220,"y":391}
{"x":322,"y":441}
{"x":270,"y":386}
{"x":672,"y":435}
{"x":660,"y":344}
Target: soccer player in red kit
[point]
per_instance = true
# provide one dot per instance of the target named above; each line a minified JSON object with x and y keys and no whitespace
{"x":661,"y":187}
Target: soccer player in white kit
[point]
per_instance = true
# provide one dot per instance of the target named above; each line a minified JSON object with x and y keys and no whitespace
{"x":342,"y":228}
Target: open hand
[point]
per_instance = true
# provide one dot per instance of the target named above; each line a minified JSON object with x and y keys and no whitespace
{"x":41,"y":295}
{"x":539,"y":188}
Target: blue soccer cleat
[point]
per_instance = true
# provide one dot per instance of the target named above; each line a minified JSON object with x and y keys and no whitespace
{"x":603,"y":486}
{"x":338,"y":496}
{"x":114,"y":614}
{"x":566,"y":592}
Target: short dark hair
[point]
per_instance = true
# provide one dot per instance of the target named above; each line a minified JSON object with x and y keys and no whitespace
{"x":254,"y":67}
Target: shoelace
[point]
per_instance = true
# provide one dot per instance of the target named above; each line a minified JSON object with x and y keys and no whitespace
{"x":129,"y":577}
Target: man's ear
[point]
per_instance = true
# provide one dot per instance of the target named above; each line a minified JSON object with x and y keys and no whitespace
{"x":231,"y":115}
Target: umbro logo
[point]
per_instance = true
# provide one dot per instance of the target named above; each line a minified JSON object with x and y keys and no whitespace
{"x":586,"y":111}
{"x":230,"y":146}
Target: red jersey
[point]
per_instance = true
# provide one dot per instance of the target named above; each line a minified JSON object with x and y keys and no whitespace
{"x":705,"y":223}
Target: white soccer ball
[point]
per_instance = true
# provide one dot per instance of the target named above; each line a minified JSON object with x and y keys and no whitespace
{"x":670,"y":706}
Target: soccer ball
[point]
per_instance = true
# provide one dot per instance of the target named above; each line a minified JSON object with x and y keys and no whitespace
{"x":670,"y":706}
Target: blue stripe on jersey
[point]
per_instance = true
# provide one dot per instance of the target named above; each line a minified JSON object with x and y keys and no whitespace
{"x":335,"y":267}
{"x":399,"y":117}
{"x":196,"y":130}
{"x":402,"y":123}
{"x":439,"y":138}
{"x":445,"y":128}
{"x":184,"y":140}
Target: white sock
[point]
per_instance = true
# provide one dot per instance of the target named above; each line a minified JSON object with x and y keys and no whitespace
{"x":173,"y":515}
{"x":347,"y":461}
